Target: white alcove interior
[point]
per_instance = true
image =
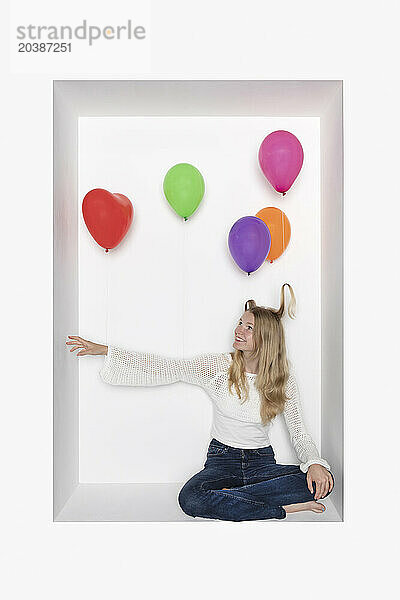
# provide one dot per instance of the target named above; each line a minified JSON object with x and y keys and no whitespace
{"x":172,"y":288}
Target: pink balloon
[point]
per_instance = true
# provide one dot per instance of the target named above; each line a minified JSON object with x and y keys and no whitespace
{"x":281,"y":158}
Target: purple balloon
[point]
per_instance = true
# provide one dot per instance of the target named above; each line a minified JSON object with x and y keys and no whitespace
{"x":281,"y":158}
{"x":249,"y":243}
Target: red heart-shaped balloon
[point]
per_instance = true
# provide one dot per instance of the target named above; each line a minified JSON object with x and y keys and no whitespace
{"x":107,"y":216}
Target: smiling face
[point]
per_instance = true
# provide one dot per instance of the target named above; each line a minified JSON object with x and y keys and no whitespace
{"x":244,"y":331}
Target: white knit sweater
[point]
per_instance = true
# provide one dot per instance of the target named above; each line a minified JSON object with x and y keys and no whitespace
{"x":235,"y":423}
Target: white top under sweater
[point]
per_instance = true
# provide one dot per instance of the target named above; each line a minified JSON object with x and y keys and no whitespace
{"x":234,"y":423}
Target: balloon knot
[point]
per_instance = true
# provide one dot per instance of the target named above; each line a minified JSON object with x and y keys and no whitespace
{"x":283,"y":193}
{"x":106,"y":249}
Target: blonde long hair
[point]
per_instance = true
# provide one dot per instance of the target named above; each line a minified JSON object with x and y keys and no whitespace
{"x":270,"y":349}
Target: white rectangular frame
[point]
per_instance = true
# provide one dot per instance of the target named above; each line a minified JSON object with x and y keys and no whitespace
{"x":75,"y":501}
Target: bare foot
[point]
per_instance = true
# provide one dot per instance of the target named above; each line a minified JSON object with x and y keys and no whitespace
{"x":311,"y":505}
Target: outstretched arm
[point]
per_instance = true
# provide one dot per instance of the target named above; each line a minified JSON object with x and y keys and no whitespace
{"x":302,"y":442}
{"x":126,"y":367}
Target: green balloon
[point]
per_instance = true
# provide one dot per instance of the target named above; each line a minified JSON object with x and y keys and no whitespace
{"x":184,"y":189}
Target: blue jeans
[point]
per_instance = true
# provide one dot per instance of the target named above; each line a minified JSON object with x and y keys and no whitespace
{"x":258,"y":486}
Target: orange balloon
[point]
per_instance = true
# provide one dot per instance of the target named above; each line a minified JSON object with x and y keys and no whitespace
{"x":279,"y":227}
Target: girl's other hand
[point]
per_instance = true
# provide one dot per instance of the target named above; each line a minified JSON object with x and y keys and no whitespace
{"x":322,"y":478}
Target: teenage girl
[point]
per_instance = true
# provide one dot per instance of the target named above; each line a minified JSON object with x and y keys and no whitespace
{"x":248,"y":388}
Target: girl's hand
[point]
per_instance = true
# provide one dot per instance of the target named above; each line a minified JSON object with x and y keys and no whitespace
{"x":323,"y":480}
{"x":87,"y":347}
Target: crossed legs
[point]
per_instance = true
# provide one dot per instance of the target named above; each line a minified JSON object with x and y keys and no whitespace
{"x":279,"y":490}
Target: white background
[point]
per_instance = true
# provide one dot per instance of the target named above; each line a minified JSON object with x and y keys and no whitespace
{"x":173,"y":288}
{"x":355,"y":42}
